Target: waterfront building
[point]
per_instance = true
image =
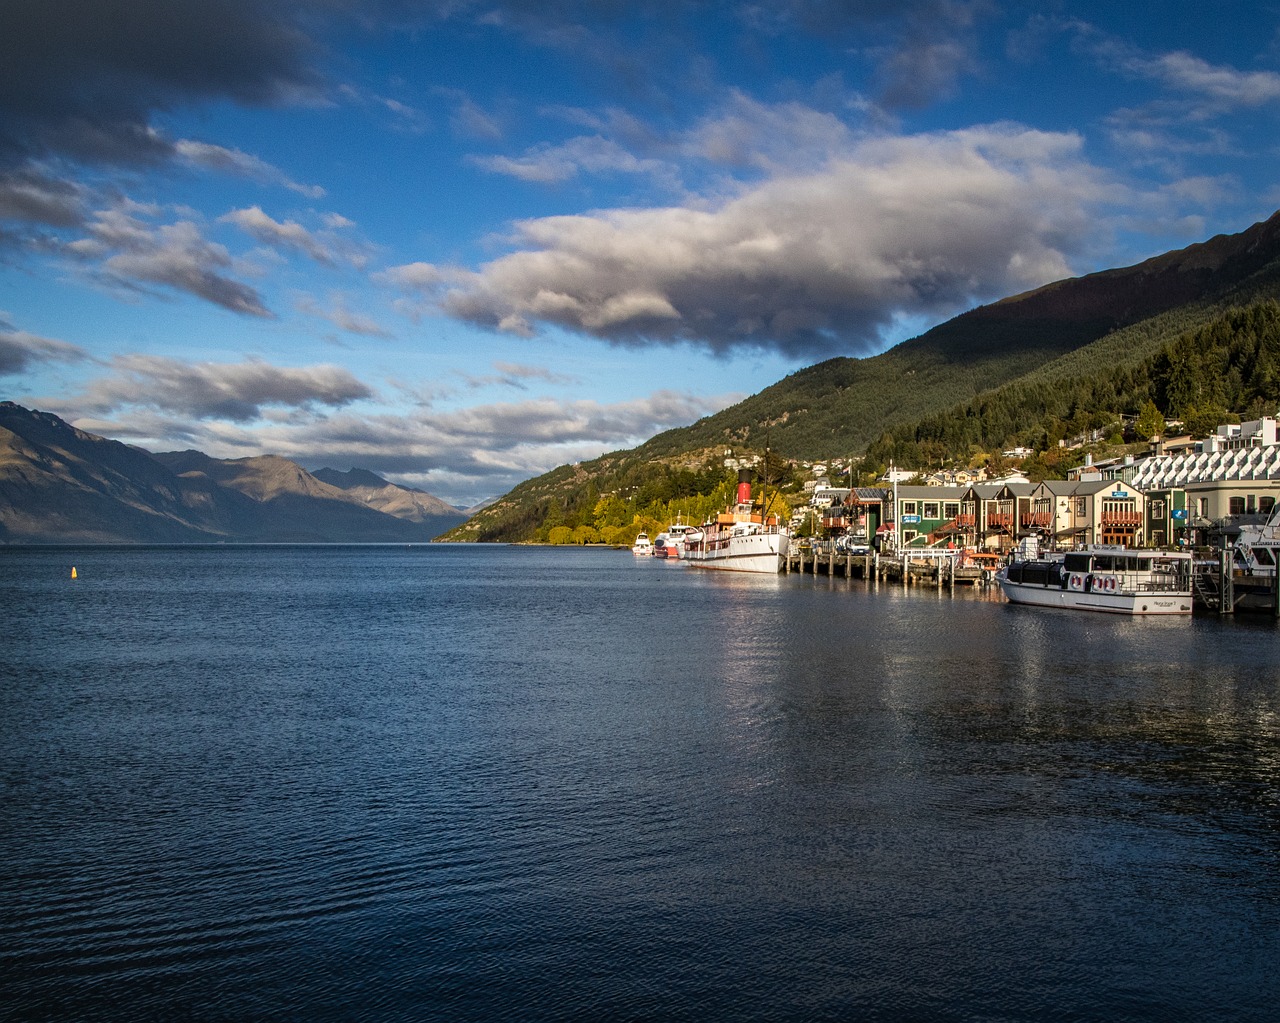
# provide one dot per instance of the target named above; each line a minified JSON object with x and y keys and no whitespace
{"x":858,"y":514}
{"x":1068,"y":512}
{"x":1227,"y":480}
{"x":1167,"y":518}
{"x":928,"y":516}
{"x":990,"y":512}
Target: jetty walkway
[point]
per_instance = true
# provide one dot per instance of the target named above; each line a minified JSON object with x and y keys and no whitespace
{"x":936,"y":567}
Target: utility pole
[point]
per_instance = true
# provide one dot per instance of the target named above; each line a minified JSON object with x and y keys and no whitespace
{"x":897,"y":516}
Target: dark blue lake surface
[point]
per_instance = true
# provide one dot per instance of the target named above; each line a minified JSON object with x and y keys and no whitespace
{"x":478,"y":783}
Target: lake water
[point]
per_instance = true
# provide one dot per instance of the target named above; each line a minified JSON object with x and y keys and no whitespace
{"x":493,"y":783}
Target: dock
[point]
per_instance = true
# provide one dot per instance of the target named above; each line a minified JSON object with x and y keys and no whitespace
{"x":1221,"y":588}
{"x":940,"y":568}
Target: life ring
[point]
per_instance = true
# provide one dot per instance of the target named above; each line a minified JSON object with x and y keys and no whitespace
{"x":1076,"y":581}
{"x":1109,"y":584}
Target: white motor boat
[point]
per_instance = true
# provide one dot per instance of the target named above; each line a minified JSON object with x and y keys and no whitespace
{"x":1099,"y":577}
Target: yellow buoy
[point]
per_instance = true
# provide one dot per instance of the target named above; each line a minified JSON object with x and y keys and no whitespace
{"x":73,"y":571}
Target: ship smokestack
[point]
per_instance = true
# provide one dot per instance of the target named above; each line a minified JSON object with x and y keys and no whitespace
{"x":744,"y":486}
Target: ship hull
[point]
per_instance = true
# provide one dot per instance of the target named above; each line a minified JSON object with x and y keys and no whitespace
{"x":1110,"y":603}
{"x":762,"y":553}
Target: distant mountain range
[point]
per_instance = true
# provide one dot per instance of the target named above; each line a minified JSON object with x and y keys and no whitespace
{"x":62,"y":485}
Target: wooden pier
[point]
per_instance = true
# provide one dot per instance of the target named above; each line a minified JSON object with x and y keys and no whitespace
{"x":925,"y":567}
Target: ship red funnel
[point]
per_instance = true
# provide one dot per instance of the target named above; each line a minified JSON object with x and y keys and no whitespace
{"x":744,"y":486}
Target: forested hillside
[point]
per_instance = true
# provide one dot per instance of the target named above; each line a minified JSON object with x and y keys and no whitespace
{"x":1229,"y":366}
{"x":838,"y":407}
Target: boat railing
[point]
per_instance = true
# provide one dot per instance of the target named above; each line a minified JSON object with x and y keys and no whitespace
{"x":1160,"y":582}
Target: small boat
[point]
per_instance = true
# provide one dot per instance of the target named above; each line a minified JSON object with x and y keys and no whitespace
{"x":1251,"y":559}
{"x":1100,"y":577}
{"x":643,"y":547}
{"x":670,"y":542}
{"x":1256,"y":550}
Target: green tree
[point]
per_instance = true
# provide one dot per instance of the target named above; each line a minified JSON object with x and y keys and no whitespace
{"x":1202,"y":419}
{"x":1150,"y":422}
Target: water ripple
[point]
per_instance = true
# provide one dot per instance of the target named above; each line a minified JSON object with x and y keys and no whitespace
{"x":509,"y":784}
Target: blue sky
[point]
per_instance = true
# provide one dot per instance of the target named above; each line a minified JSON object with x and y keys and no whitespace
{"x":460,"y":243}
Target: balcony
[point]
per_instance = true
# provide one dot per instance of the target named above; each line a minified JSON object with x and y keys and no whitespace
{"x":1036,"y":520}
{"x":1121,"y":518}
{"x":1000,"y":520}
{"x":965,"y":520}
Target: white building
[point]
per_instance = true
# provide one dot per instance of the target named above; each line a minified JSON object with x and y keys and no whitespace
{"x":1249,"y":451}
{"x":1230,"y":477}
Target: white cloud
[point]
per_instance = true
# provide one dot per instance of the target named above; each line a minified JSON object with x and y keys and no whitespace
{"x":808,"y":264}
{"x":342,"y":316}
{"x":234,"y":161}
{"x":518,"y":376}
{"x":175,"y":255}
{"x":1224,"y":86}
{"x":406,"y":119}
{"x":746,"y":133}
{"x":20,"y":351}
{"x":35,"y":196}
{"x":289,"y":234}
{"x":586,"y":154}
{"x":239,"y":392}
{"x":1197,"y":90}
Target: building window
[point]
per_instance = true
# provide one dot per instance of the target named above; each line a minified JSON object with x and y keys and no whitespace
{"x":1235,"y":506}
{"x":1251,"y":505}
{"x":908,"y":536}
{"x":908,"y":507}
{"x":950,"y":510}
{"x":1157,"y":509}
{"x":1202,"y":507}
{"x":1082,"y":507}
{"x":931,"y":510}
{"x":1265,"y":504}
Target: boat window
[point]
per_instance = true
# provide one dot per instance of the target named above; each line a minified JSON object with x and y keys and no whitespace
{"x":1264,"y":556}
{"x":1102,"y":563}
{"x":1076,"y":563}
